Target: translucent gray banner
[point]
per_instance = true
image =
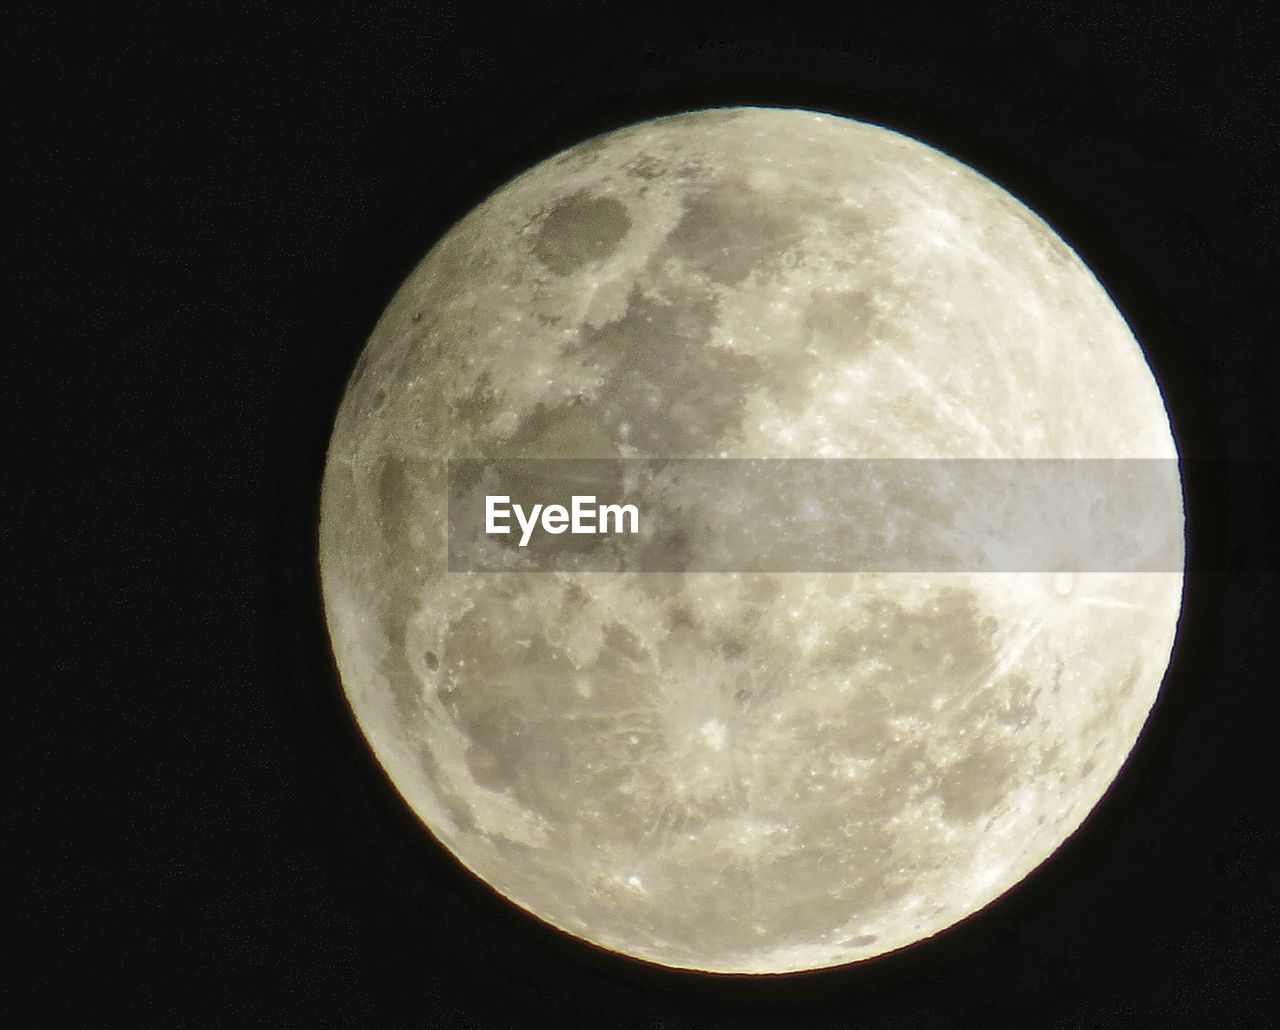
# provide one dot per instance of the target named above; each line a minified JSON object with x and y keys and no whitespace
{"x":818,"y":515}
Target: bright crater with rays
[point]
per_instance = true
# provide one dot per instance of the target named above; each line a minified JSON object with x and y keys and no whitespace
{"x":741,"y":772}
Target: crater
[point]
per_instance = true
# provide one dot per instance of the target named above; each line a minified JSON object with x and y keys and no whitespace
{"x":580,"y":229}
{"x":646,"y":166}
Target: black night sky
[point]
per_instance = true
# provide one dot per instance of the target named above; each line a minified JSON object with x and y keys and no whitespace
{"x":213,"y":203}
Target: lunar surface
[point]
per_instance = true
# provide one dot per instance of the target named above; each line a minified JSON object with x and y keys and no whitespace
{"x":741,"y":772}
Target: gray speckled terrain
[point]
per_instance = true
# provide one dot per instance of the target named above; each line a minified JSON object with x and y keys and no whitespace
{"x":738,"y":772}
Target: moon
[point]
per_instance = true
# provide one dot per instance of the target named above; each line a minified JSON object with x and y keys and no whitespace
{"x":741,"y":772}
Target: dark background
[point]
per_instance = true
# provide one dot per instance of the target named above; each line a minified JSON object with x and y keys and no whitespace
{"x":211,"y":204}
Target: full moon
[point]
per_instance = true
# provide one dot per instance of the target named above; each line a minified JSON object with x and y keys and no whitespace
{"x":755,"y":772}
